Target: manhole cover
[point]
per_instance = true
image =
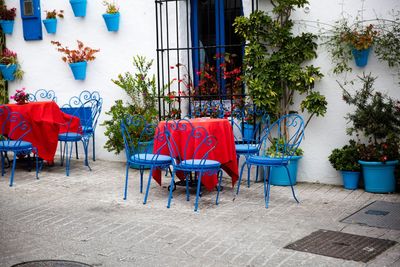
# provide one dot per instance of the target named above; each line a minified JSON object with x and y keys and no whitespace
{"x":51,"y":263}
{"x":380,"y":214}
{"x":342,"y":245}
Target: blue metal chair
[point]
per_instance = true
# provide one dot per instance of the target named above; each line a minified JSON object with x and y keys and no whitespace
{"x":207,"y":108}
{"x":43,"y":95}
{"x":248,"y":134}
{"x":135,"y":155}
{"x":13,"y":129}
{"x":188,"y":159}
{"x":85,"y":112}
{"x":290,"y":130}
{"x":88,"y":129}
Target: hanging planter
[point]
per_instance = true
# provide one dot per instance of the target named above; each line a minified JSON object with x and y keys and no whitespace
{"x":361,"y":56}
{"x":79,"y":70}
{"x":78,"y":7}
{"x":50,"y":23}
{"x":112,"y":21}
{"x":8,"y":72}
{"x":7,"y":26}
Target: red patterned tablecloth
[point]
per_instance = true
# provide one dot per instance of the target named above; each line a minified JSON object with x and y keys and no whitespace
{"x":47,"y":121}
{"x":224,"y":152}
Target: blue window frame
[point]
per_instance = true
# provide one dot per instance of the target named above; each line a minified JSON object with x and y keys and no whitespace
{"x":213,"y":34}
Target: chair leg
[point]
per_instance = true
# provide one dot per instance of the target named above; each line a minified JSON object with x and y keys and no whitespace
{"x":94,"y":148}
{"x":219,"y":186}
{"x":85,"y":149}
{"x":248,"y":177}
{"x":13,"y":169}
{"x":196,"y":203}
{"x":257,"y":174}
{"x":291,"y":186}
{"x":240,"y":178}
{"x":2,"y":163}
{"x":268,"y":186}
{"x":141,"y":170}
{"x":126,"y":180}
{"x":148,"y":186}
{"x":76,"y":150}
{"x":171,"y":187}
{"x":187,"y":175}
{"x":265,"y":186}
{"x":68,"y":156}
{"x":37,"y":165}
{"x":62,"y":153}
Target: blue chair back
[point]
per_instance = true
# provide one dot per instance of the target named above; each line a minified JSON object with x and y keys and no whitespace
{"x":14,"y":128}
{"x":183,"y":131}
{"x":139,"y":135}
{"x":248,"y":124}
{"x":43,"y":95}
{"x":285,"y":135}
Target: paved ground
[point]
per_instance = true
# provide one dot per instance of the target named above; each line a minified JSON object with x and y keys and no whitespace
{"x":83,"y":218}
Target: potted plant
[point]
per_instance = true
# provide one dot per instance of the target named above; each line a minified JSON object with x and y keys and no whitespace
{"x":7,"y":17}
{"x":9,"y":66}
{"x":278,"y":174}
{"x":20,"y":97}
{"x":77,"y":58}
{"x":50,"y":23}
{"x":78,"y":7}
{"x":376,"y":116}
{"x":140,"y":88}
{"x":111,"y":17}
{"x":345,"y":160}
{"x":275,"y":66}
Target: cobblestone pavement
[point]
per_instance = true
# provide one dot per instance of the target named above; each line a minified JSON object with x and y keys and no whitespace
{"x":84,"y":218}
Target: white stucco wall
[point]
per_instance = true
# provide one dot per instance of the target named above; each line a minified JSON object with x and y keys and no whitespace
{"x":44,"y":68}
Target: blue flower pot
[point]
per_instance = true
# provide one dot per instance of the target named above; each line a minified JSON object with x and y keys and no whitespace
{"x":248,"y":131}
{"x":279,"y":175}
{"x":7,"y":26}
{"x":79,"y":70}
{"x":378,"y":176}
{"x":361,"y":56}
{"x":78,"y":7}
{"x":8,"y":72}
{"x":112,"y":21}
{"x":350,"y":179}
{"x":144,"y":147}
{"x":50,"y":25}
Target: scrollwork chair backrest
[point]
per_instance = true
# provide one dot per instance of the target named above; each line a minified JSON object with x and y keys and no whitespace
{"x":43,"y":95}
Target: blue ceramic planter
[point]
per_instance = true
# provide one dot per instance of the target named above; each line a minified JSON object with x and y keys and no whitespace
{"x":50,"y":25}
{"x":79,"y":70}
{"x":112,"y":21}
{"x":7,"y":26}
{"x":378,"y":176}
{"x":78,"y":7}
{"x":144,"y":147}
{"x":350,"y":179}
{"x":361,"y":56}
{"x":248,"y":130}
{"x":279,"y":175}
{"x":8,"y":72}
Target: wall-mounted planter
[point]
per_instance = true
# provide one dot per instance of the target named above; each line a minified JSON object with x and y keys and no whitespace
{"x":361,"y":56}
{"x":112,"y":21}
{"x":8,"y":71}
{"x":78,"y":7}
{"x":7,"y":26}
{"x":79,"y":70}
{"x":50,"y":25}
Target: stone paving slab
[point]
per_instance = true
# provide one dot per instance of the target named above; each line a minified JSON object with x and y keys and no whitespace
{"x":84,"y":218}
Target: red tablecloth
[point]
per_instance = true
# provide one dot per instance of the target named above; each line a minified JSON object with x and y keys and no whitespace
{"x":224,"y":152}
{"x":47,"y":121}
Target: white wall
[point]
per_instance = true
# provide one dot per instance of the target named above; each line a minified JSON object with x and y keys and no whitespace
{"x":44,"y":68}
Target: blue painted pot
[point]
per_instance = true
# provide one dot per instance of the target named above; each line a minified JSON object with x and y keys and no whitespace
{"x":79,"y":70}
{"x":378,"y":176}
{"x":361,"y":56}
{"x":279,"y":175}
{"x":8,"y":72}
{"x":78,"y":7}
{"x":112,"y":21}
{"x":248,"y":131}
{"x":350,"y":179}
{"x":50,"y":25}
{"x":7,"y":26}
{"x":144,"y":147}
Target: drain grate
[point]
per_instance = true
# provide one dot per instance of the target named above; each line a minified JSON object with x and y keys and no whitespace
{"x":342,"y":245}
{"x":51,"y":263}
{"x":380,"y":214}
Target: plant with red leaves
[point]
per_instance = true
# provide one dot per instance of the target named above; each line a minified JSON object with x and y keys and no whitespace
{"x":83,"y":53}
